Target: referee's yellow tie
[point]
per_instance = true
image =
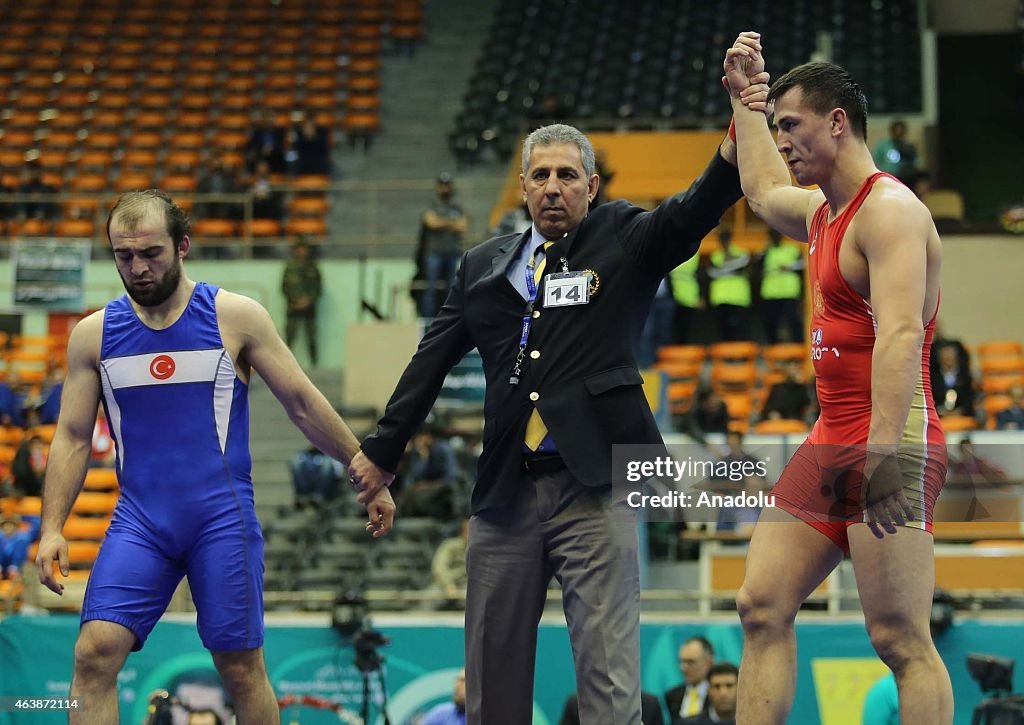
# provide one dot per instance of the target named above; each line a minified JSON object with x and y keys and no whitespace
{"x":535,"y":428}
{"x":694,"y":707}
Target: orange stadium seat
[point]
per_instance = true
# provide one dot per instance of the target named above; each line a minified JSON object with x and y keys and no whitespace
{"x":958,"y":423}
{"x":148,"y":140}
{"x":30,"y":228}
{"x":310,"y":226}
{"x":188,"y":140}
{"x":158,"y":101}
{"x":240,"y":84}
{"x":994,"y":405}
{"x":182,"y":159}
{"x":133,"y":181}
{"x":75,"y":228}
{"x":100,"y":479}
{"x":1002,"y":366}
{"x":265,"y":228}
{"x":139,"y":158}
{"x":680,"y":397}
{"x":727,"y":378}
{"x":151,"y":119}
{"x":193,"y":120}
{"x":734,"y":351}
{"x":214,"y":228}
{"x":89,"y":182}
{"x":179,"y":184}
{"x":1001,"y":348}
{"x":234,"y":121}
{"x":309,"y":206}
{"x":95,"y":503}
{"x":682,"y":353}
{"x":680,"y":371}
{"x":780,"y":426}
{"x":95,"y":160}
{"x":1000,"y":384}
{"x":85,"y":528}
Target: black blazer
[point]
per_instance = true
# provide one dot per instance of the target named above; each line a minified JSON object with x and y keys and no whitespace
{"x":588,"y":389}
{"x":674,"y":700}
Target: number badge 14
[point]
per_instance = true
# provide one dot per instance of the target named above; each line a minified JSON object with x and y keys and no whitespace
{"x":562,"y":289}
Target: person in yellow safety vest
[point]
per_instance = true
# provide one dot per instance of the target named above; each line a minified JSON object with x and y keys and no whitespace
{"x":730,"y":289}
{"x":690,"y":301}
{"x":782,"y":290}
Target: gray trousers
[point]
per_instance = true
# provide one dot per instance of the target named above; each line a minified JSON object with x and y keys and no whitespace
{"x":555,"y":527}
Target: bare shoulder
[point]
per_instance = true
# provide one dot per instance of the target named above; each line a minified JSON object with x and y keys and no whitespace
{"x":238,"y":312}
{"x":890,"y":212}
{"x":86,"y":337}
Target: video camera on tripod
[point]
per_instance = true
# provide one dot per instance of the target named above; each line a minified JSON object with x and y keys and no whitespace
{"x":994,"y":676}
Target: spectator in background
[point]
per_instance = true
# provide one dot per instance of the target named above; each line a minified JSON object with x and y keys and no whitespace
{"x":442,"y":231}
{"x":450,"y":713}
{"x":971,"y":468}
{"x":898,"y":156}
{"x":708,"y":414}
{"x":29,"y":467}
{"x":316,"y":477}
{"x":782,"y":290}
{"x":218,"y":178}
{"x":722,"y":679}
{"x":32,"y":182}
{"x":691,"y":698}
{"x":266,"y":203}
{"x":658,"y":330}
{"x":789,"y":398}
{"x":204,"y":717}
{"x":53,"y":386}
{"x":690,"y":301}
{"x":602,"y":169}
{"x":730,"y":289}
{"x":1012,"y":418}
{"x":449,"y":566}
{"x":301,"y":285}
{"x":740,"y":519}
{"x":952,"y":385}
{"x":939,"y":340}
{"x":266,"y":143}
{"x":11,"y":402}
{"x":15,"y":540}
{"x":514,"y":221}
{"x":431,"y":475}
{"x":311,"y":146}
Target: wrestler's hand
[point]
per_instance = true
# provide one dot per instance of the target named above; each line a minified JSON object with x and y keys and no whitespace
{"x":367,"y":478}
{"x":755,"y":96}
{"x":52,"y":546}
{"x":885,"y":504}
{"x":381,"y":510}
{"x":743,"y":61}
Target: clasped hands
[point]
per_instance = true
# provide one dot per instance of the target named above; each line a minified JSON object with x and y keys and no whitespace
{"x":371,"y":483}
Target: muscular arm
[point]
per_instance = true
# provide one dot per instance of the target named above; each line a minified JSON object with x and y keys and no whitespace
{"x":263,"y":349}
{"x":71,"y":446}
{"x":892,"y":233}
{"x":763,"y":174}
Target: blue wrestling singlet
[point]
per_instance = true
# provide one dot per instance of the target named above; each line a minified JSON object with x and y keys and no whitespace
{"x":179,"y":416}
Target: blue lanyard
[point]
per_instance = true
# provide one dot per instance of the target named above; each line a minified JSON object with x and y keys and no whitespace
{"x":531,"y":289}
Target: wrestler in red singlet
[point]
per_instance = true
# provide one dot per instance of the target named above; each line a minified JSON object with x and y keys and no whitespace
{"x":821,"y":484}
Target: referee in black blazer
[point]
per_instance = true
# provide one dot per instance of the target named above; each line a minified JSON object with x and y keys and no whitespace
{"x":562,"y":389}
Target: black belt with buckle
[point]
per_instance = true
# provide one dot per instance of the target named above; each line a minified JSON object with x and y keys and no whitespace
{"x":543,"y":464}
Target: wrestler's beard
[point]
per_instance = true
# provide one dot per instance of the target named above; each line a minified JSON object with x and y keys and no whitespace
{"x":157,"y":294}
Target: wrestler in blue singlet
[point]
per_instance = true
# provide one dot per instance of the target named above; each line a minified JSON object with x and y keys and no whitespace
{"x":180,"y":418}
